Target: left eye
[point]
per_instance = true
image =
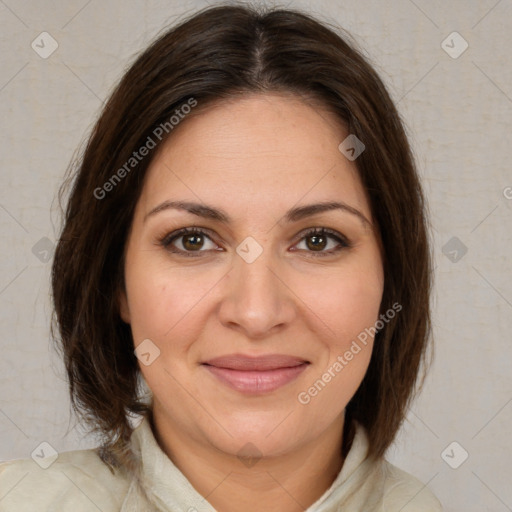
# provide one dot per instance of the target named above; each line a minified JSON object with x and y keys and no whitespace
{"x":319,"y":239}
{"x":192,"y":241}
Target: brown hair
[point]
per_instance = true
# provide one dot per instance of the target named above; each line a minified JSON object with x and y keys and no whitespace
{"x":217,"y":54}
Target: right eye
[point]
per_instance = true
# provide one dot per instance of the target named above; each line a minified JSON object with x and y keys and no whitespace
{"x":191,"y":240}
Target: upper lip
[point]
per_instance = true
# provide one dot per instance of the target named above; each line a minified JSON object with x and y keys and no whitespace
{"x":258,"y":363}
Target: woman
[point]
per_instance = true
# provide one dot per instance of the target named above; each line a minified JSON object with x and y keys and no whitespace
{"x":246,"y":235}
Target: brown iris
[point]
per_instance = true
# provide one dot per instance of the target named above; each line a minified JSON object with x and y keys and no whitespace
{"x":193,"y":241}
{"x":316,"y":244}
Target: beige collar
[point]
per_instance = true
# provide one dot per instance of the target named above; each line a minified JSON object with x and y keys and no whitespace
{"x":162,"y":487}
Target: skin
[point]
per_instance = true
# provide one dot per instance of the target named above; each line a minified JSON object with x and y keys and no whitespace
{"x":255,"y":158}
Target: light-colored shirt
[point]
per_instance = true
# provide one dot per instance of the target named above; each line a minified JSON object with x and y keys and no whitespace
{"x":79,"y":481}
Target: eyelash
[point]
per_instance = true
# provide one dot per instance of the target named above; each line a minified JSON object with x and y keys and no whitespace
{"x":167,"y":240}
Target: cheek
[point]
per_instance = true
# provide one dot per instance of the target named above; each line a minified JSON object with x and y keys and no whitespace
{"x":346,"y":301}
{"x":349,"y":306}
{"x":164,"y":304}
{"x":161,"y":298}
{"x":355,"y":305}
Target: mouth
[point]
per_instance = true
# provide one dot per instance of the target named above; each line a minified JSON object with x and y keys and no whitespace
{"x":256,"y":375}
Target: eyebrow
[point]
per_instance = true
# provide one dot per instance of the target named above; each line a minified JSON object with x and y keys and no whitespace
{"x":292,"y":215}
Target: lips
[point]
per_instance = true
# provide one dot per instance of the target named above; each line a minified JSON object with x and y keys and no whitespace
{"x":259,"y":363}
{"x":256,"y":375}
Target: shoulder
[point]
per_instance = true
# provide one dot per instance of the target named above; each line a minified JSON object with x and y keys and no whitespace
{"x":403,"y":491}
{"x":77,"y":481}
{"x":373,"y":484}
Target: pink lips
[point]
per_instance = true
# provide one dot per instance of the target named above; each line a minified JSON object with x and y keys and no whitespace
{"x":256,"y":374}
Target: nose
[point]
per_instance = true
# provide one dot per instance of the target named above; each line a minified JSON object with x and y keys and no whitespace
{"x":257,"y":300}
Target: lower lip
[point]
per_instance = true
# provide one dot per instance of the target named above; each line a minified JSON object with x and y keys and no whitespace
{"x":255,"y":382}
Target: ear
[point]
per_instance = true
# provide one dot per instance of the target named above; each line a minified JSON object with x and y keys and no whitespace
{"x":124,"y":310}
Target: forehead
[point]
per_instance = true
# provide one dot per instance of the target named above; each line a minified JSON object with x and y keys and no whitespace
{"x":272,"y":149}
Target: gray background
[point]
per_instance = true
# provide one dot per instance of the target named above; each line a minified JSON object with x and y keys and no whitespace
{"x":457,"y":112}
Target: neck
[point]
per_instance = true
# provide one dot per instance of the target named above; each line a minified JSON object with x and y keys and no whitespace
{"x":289,"y":483}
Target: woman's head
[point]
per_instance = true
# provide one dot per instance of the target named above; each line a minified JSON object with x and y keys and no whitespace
{"x":255,"y":283}
{"x":247,"y":113}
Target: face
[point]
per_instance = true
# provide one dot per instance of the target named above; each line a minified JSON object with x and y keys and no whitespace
{"x":256,"y":277}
